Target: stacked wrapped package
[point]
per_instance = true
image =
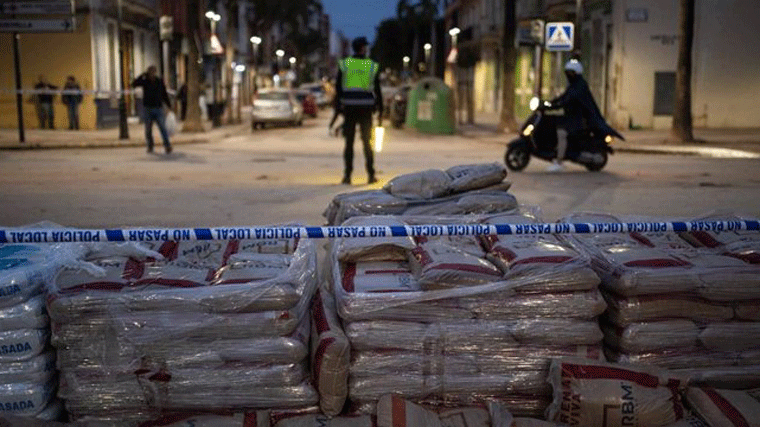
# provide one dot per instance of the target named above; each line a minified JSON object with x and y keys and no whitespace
{"x":458,"y":319}
{"x":27,"y":363}
{"x":200,"y":326}
{"x":677,"y":304}
{"x":459,"y":190}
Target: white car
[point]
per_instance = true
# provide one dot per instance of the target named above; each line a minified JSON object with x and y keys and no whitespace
{"x":276,"y":106}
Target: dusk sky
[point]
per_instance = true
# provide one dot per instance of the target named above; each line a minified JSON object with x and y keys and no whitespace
{"x":358,"y":17}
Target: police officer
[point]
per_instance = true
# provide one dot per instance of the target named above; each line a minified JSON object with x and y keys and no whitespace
{"x":358,"y":96}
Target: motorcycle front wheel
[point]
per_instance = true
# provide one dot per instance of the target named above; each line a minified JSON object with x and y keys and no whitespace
{"x":517,"y":157}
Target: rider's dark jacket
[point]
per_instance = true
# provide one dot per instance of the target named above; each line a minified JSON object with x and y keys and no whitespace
{"x":581,"y":111}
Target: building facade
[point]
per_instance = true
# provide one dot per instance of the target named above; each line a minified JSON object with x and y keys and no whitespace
{"x":90,"y":53}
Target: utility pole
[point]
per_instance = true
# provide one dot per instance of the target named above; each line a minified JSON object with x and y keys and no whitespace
{"x":19,"y":96}
{"x":123,"y":129}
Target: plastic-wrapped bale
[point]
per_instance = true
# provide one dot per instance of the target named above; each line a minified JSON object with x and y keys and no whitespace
{"x":192,"y":328}
{"x":725,"y":408}
{"x":330,"y":356}
{"x":596,"y":393}
{"x":27,"y":366}
{"x":448,"y":326}
{"x":460,"y":190}
{"x":678,"y":300}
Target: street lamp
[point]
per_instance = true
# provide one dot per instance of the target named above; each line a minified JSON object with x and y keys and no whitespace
{"x":256,"y":41}
{"x":292,"y":60}
{"x":453,"y":33}
{"x":428,"y":47}
{"x":406,"y":64}
{"x":213,"y":18}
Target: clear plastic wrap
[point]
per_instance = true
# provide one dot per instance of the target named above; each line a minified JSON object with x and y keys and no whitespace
{"x":24,"y":270}
{"x":728,"y":377}
{"x":592,"y":393}
{"x":443,"y":266}
{"x":367,"y":364}
{"x":725,"y":408}
{"x":648,"y":308}
{"x":424,"y":185}
{"x":657,"y":263}
{"x":448,"y":387}
{"x":680,"y":358}
{"x":374,"y":248}
{"x":38,"y":369}
{"x":330,"y":355}
{"x":464,"y":334}
{"x":22,"y":344}
{"x":471,"y":177}
{"x":93,"y":401}
{"x":651,"y":336}
{"x":378,"y":202}
{"x":30,"y":314}
{"x":78,"y":291}
{"x":25,"y":399}
{"x":108,"y":350}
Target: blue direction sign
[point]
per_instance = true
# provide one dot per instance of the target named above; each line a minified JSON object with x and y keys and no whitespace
{"x":559,"y":36}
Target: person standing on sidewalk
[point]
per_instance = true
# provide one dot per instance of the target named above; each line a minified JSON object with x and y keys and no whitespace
{"x":44,"y":103}
{"x":358,"y":96}
{"x":72,"y":99}
{"x":154,"y":95}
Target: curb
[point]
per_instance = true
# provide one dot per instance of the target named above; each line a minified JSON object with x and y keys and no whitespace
{"x":106,"y":143}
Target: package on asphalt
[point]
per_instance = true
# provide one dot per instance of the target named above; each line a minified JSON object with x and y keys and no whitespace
{"x":426,"y":184}
{"x":725,"y":408}
{"x":460,"y":190}
{"x":471,"y":177}
{"x":179,"y":326}
{"x":589,"y":392}
{"x":330,"y":355}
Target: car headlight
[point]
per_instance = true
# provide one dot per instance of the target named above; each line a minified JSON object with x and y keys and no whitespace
{"x":528,"y":130}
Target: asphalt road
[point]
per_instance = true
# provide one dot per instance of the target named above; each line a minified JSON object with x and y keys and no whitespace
{"x":285,"y":175}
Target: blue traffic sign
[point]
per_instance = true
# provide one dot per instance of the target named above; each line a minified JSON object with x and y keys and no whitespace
{"x":559,"y":36}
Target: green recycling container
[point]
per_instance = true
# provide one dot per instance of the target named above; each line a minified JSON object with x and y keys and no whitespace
{"x":430,"y":107}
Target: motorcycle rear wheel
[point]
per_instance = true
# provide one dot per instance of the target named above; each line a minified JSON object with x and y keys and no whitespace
{"x":597,"y":166}
{"x":517,"y":157}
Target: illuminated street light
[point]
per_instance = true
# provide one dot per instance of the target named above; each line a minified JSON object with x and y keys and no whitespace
{"x":292,"y":60}
{"x":256,"y":40}
{"x":453,"y":33}
{"x":406,"y":60}
{"x":280,"y":53}
{"x":240,"y":68}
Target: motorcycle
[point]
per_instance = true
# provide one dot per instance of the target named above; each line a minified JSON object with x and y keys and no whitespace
{"x":538,"y":138}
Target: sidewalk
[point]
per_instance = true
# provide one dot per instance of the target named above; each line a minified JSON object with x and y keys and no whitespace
{"x":107,"y":138}
{"x":719,"y":143}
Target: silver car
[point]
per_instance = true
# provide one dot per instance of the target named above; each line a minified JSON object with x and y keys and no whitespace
{"x":276,"y":106}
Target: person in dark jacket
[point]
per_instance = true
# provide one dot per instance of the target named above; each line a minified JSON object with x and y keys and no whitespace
{"x":358,"y":96}
{"x":72,"y":97}
{"x":154,"y":95}
{"x":44,"y":103}
{"x":581,"y":111}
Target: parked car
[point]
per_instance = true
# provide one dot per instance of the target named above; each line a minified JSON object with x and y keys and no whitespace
{"x":319,"y":92}
{"x":276,"y":106}
{"x":307,"y":101}
{"x":397,"y":107}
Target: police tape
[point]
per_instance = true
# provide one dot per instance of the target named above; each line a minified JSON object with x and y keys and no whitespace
{"x":60,"y":235}
{"x":77,"y":92}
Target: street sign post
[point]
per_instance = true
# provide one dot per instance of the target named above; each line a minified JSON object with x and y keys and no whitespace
{"x":42,"y":16}
{"x":559,"y":36}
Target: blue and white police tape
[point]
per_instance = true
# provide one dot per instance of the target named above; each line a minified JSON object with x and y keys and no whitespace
{"x":58,"y":235}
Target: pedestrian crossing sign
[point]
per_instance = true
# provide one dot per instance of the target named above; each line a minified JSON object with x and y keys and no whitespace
{"x":559,"y":36}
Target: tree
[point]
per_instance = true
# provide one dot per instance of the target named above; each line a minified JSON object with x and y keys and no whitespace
{"x":390,"y":44}
{"x":507,"y":120}
{"x":231,"y":8}
{"x":193,"y":118}
{"x":682,"y":120}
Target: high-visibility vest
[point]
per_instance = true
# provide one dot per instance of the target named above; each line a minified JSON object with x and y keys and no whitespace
{"x":358,"y":81}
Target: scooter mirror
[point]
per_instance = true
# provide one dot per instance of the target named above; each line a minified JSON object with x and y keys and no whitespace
{"x":534,"y":103}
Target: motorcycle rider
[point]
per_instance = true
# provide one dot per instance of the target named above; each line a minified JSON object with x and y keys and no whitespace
{"x":581,"y":112}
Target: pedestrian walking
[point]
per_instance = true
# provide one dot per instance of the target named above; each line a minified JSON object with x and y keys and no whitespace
{"x":335,"y":130}
{"x":72,"y":97}
{"x":154,"y":95}
{"x":44,"y":103}
{"x":358,"y":97}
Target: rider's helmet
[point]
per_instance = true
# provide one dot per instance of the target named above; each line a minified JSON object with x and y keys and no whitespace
{"x":575,"y":66}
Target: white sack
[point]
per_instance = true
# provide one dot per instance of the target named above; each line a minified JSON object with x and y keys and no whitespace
{"x":426,"y":184}
{"x":725,"y":408}
{"x":471,"y":177}
{"x":330,"y":355}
